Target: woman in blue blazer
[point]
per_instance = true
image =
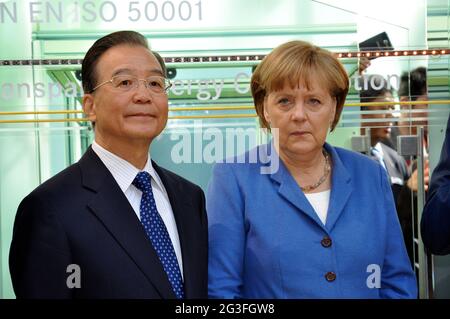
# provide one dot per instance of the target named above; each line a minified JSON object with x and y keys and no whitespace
{"x":299,"y":218}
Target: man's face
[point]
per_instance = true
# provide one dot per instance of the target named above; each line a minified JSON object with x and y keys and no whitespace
{"x":380,"y":129}
{"x":125,"y":116}
{"x":421,"y":117}
{"x":414,"y":116}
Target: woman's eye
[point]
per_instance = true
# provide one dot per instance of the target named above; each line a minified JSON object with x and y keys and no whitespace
{"x":314,"y":101}
{"x":283,"y":101}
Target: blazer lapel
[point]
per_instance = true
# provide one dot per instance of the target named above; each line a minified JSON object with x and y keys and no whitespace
{"x":341,"y":188}
{"x":112,"y":208}
{"x":290,"y":191}
{"x":180,"y":204}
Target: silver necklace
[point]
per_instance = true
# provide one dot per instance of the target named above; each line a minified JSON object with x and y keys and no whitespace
{"x":326,"y":171}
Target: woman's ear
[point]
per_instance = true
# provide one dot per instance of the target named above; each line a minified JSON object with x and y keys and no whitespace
{"x":89,"y":107}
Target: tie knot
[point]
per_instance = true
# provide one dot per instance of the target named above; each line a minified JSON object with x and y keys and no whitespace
{"x":143,"y":181}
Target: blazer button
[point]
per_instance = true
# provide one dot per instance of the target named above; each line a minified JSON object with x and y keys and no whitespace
{"x":330,"y":276}
{"x":326,"y":242}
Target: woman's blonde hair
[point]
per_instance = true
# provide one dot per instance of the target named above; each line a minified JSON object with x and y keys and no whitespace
{"x":297,"y":62}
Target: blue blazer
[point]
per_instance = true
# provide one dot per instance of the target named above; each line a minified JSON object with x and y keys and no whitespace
{"x":266,"y":241}
{"x":435,"y":224}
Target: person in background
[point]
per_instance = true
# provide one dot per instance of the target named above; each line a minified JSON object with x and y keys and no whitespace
{"x":322,"y":225}
{"x":435,"y":223}
{"x":115,"y":224}
{"x":380,"y":132}
{"x":413,"y":87}
{"x":382,"y":151}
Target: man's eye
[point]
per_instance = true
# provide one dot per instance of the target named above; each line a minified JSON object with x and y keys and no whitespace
{"x":157,"y":84}
{"x":125,"y":83}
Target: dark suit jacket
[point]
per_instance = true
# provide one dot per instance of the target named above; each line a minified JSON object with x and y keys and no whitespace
{"x":81,"y":216}
{"x":435,"y":224}
{"x":398,"y":176}
{"x":397,"y":168}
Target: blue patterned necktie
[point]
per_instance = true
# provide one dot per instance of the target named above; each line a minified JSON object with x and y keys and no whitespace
{"x":157,"y":232}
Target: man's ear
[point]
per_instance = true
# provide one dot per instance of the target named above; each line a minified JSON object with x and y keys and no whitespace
{"x":89,"y":107}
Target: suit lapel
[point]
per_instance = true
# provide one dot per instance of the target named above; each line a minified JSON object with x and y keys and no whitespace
{"x":180,"y":204}
{"x":341,"y":188}
{"x":112,"y":208}
{"x":386,"y":158}
{"x":290,"y":191}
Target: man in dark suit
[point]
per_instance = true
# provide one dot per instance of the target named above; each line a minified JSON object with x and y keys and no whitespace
{"x":382,"y":151}
{"x":115,"y":224}
{"x":435,"y":224}
{"x":380,"y":130}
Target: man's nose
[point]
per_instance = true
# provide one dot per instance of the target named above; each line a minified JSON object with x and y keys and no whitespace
{"x":142,"y":93}
{"x":144,"y":84}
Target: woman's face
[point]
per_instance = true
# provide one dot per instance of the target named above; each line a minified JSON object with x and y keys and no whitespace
{"x":301,"y":116}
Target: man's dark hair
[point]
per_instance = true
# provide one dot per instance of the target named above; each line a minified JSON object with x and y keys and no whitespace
{"x":377,"y":86}
{"x":161,"y":62}
{"x":88,"y":72}
{"x":414,"y":83}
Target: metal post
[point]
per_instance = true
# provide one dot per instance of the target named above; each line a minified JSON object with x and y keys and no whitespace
{"x":425,"y":267}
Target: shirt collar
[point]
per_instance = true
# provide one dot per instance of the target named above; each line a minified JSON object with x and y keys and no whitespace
{"x":379,"y":148}
{"x":123,"y":171}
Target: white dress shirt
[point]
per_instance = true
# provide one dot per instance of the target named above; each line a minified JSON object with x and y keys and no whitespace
{"x":377,"y":151}
{"x":124,"y":174}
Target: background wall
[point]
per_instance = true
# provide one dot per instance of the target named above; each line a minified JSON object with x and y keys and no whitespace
{"x":30,"y":153}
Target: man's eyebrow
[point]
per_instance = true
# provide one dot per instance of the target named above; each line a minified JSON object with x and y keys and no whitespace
{"x":129,"y":71}
{"x":158,"y":71}
{"x":120,"y":71}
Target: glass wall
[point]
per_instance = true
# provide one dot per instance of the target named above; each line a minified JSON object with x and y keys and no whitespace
{"x":211,"y":48}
